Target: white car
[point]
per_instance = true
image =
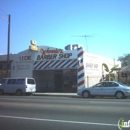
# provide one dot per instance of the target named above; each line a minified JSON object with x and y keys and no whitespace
{"x":106,"y":88}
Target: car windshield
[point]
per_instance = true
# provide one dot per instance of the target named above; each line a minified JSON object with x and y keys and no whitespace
{"x":97,"y":85}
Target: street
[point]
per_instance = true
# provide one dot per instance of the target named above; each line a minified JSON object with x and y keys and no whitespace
{"x":61,"y":113}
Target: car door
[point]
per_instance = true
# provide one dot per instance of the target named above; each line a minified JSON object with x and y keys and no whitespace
{"x":98,"y":89}
{"x":10,"y":86}
{"x":110,"y":88}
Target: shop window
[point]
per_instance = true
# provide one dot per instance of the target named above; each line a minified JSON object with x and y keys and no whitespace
{"x":1,"y":67}
{"x":4,"y":66}
{"x":70,"y":80}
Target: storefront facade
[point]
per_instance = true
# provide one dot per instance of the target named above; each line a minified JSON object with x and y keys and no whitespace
{"x":57,"y":70}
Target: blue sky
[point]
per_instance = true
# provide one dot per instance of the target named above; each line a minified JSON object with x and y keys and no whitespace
{"x":58,"y":23}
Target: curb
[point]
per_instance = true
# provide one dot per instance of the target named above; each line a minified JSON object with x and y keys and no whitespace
{"x":57,"y":94}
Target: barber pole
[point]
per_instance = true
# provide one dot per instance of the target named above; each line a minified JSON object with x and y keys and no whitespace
{"x":81,"y":71}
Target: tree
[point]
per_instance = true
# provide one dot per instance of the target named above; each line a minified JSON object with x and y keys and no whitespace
{"x":109,"y":71}
{"x":125,"y":60}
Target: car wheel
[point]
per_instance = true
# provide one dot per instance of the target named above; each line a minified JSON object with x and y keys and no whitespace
{"x":18,"y":92}
{"x":86,"y":94}
{"x":119,"y":95}
{"x":1,"y":92}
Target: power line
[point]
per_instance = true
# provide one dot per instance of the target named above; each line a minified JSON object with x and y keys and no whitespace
{"x":2,"y":16}
{"x":3,"y":11}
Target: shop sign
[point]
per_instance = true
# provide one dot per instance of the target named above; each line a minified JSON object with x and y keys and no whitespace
{"x":2,"y":71}
{"x":52,"y":54}
{"x":33,"y":46}
{"x":91,"y":65}
{"x":21,"y":58}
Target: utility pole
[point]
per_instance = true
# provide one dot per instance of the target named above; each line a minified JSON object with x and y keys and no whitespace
{"x":8,"y":47}
{"x":8,"y":43}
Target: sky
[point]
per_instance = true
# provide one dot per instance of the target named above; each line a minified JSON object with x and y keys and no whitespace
{"x":57,"y":23}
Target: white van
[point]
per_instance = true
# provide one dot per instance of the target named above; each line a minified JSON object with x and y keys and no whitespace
{"x":19,"y":85}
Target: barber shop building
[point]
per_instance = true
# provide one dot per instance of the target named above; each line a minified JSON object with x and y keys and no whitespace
{"x":55,"y":69}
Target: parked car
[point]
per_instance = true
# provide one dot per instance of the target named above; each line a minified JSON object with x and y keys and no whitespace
{"x":106,"y":88}
{"x":18,"y":85}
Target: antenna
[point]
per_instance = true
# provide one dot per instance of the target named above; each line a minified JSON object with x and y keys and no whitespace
{"x":86,"y":36}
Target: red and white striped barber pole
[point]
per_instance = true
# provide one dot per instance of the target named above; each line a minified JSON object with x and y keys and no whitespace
{"x":81,"y":68}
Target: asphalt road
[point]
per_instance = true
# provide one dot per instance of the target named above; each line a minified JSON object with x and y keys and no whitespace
{"x":61,"y":113}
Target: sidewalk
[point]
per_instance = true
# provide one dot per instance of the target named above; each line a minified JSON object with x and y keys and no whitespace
{"x":57,"y":94}
{"x":70,"y":95}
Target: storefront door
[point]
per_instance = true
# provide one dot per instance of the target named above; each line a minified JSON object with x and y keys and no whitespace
{"x":58,"y":81}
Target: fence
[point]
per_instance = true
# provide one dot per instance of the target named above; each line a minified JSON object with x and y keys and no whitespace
{"x":92,"y":80}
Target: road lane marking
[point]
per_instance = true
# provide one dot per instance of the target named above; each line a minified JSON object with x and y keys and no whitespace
{"x":60,"y":121}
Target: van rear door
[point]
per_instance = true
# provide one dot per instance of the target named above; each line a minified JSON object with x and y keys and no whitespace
{"x":31,"y":85}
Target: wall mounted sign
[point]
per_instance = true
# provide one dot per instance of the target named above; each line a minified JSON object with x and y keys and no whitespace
{"x":92,"y":63}
{"x":23,"y":67}
{"x":25,"y":58}
{"x":49,"y":54}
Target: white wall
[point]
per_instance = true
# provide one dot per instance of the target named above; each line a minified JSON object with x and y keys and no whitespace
{"x":94,"y":69}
